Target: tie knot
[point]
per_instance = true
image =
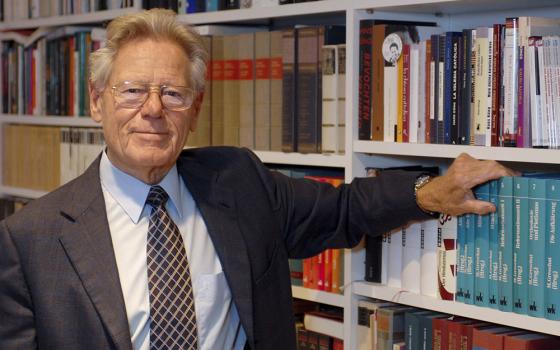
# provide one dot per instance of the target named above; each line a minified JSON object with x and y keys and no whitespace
{"x":157,"y":196}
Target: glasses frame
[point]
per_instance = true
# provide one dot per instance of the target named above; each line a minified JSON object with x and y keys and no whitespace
{"x":157,"y":88}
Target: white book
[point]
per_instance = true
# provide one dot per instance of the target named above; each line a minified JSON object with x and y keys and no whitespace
{"x":394,"y":277}
{"x":20,"y":85}
{"x":411,"y":258}
{"x":341,"y":89}
{"x":510,"y":78}
{"x":264,"y":3}
{"x":481,"y":86}
{"x":390,"y":100}
{"x":491,"y":76}
{"x":100,"y":35}
{"x":414,"y":80}
{"x":385,"y":257}
{"x":534,"y":88}
{"x":447,"y":257}
{"x":65,"y":155}
{"x":544,"y":101}
{"x":428,"y":258}
{"x":329,"y":66}
{"x":38,"y":76}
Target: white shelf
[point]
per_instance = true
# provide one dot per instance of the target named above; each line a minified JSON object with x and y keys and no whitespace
{"x":21,"y":192}
{"x":48,"y":120}
{"x":318,"y":296}
{"x":323,"y":325}
{"x":92,"y":17}
{"x":510,"y":154}
{"x":480,"y":313}
{"x":309,"y":159}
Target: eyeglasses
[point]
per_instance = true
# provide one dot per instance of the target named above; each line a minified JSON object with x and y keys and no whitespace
{"x":132,"y":94}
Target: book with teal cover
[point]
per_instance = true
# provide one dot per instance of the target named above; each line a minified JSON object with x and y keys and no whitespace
{"x":536,"y":247}
{"x":482,"y":240}
{"x":460,"y":258}
{"x":505,"y":246}
{"x":468,"y":273}
{"x":493,"y":248}
{"x":520,"y":243}
{"x":552,"y":297}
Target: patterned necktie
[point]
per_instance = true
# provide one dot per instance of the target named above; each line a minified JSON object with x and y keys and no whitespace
{"x":173,"y":319}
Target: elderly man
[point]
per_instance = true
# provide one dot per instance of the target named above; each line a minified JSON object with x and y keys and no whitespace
{"x":154,"y":247}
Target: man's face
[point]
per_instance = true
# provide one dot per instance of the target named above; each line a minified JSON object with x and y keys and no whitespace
{"x":146,"y":141}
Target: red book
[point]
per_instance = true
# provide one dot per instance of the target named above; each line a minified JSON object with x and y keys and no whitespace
{"x":338,"y":344}
{"x":467,"y":330}
{"x":531,"y":341}
{"x":320,"y":271}
{"x":439,"y":333}
{"x":427,"y":88}
{"x":327,"y":267}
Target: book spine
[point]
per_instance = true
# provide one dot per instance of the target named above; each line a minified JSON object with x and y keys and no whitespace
{"x":289,"y":83}
{"x":520,"y":239}
{"x":520,"y":132}
{"x":461,"y":259}
{"x":434,"y":83}
{"x":378,"y":81}
{"x":365,"y":79}
{"x":469,"y":273}
{"x":411,"y":258}
{"x":493,"y":224}
{"x":404,"y":135}
{"x":482,"y":229}
{"x":536,"y":247}
{"x":465,"y":87}
{"x":552,"y":250}
{"x":510,"y":65}
{"x":496,"y":84}
{"x":394,"y":276}
{"x":505,"y":249}
{"x":447,"y":256}
{"x":373,"y":258}
{"x":429,"y":264}
{"x":441,"y":92}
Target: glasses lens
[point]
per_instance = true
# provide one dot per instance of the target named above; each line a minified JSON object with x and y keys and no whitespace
{"x":176,"y":97}
{"x":131,"y":94}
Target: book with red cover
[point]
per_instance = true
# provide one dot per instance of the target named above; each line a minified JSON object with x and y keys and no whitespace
{"x":531,"y":341}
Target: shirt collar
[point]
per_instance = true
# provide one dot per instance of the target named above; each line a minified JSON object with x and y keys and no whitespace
{"x":131,"y":193}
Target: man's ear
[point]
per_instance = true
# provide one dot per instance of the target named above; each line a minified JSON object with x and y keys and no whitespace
{"x":95,"y":102}
{"x":195,"y":110}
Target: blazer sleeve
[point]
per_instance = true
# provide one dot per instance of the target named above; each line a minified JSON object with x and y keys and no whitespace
{"x":17,"y":325}
{"x":315,"y":216}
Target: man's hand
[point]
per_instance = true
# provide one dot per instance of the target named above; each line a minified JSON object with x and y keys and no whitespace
{"x":452,"y":193}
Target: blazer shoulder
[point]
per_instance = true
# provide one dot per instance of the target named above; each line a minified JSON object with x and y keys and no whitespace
{"x":220,"y":157}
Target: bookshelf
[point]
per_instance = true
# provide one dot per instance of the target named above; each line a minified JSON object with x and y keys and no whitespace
{"x":449,"y":15}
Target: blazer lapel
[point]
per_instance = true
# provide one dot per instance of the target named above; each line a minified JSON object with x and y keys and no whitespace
{"x":216,"y":203}
{"x":87,"y":242}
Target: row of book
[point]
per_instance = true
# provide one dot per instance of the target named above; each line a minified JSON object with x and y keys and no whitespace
{"x":10,"y":205}
{"x":12,"y":10}
{"x":506,"y":260}
{"x":45,"y":157}
{"x":384,"y":325}
{"x":313,"y":321}
{"x":279,"y":90}
{"x":488,"y":86}
{"x":195,"y":6}
{"x":45,"y":72}
{"x":324,"y":271}
{"x":510,"y":259}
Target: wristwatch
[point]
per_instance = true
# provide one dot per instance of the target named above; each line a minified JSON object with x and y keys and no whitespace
{"x":420,"y":182}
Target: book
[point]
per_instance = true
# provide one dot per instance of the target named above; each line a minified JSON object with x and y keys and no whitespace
{"x":505,"y":245}
{"x":482,"y":238}
{"x":552,"y":297}
{"x":428,"y":258}
{"x":520,"y":246}
{"x":447,"y":257}
{"x":536,"y":248}
{"x":367,"y":322}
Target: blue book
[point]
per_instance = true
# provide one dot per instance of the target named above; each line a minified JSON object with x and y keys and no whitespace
{"x":493,"y":248}
{"x":482,"y":240}
{"x":552,"y":250}
{"x":468,"y":273}
{"x":211,"y":5}
{"x":505,"y":246}
{"x":461,"y":233}
{"x":536,"y":247}
{"x":521,"y":241}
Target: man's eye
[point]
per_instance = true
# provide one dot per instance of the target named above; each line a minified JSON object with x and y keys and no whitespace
{"x":172,"y":93}
{"x":133,"y":91}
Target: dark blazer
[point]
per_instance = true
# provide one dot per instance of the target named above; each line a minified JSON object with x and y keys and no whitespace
{"x":59,"y":284}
